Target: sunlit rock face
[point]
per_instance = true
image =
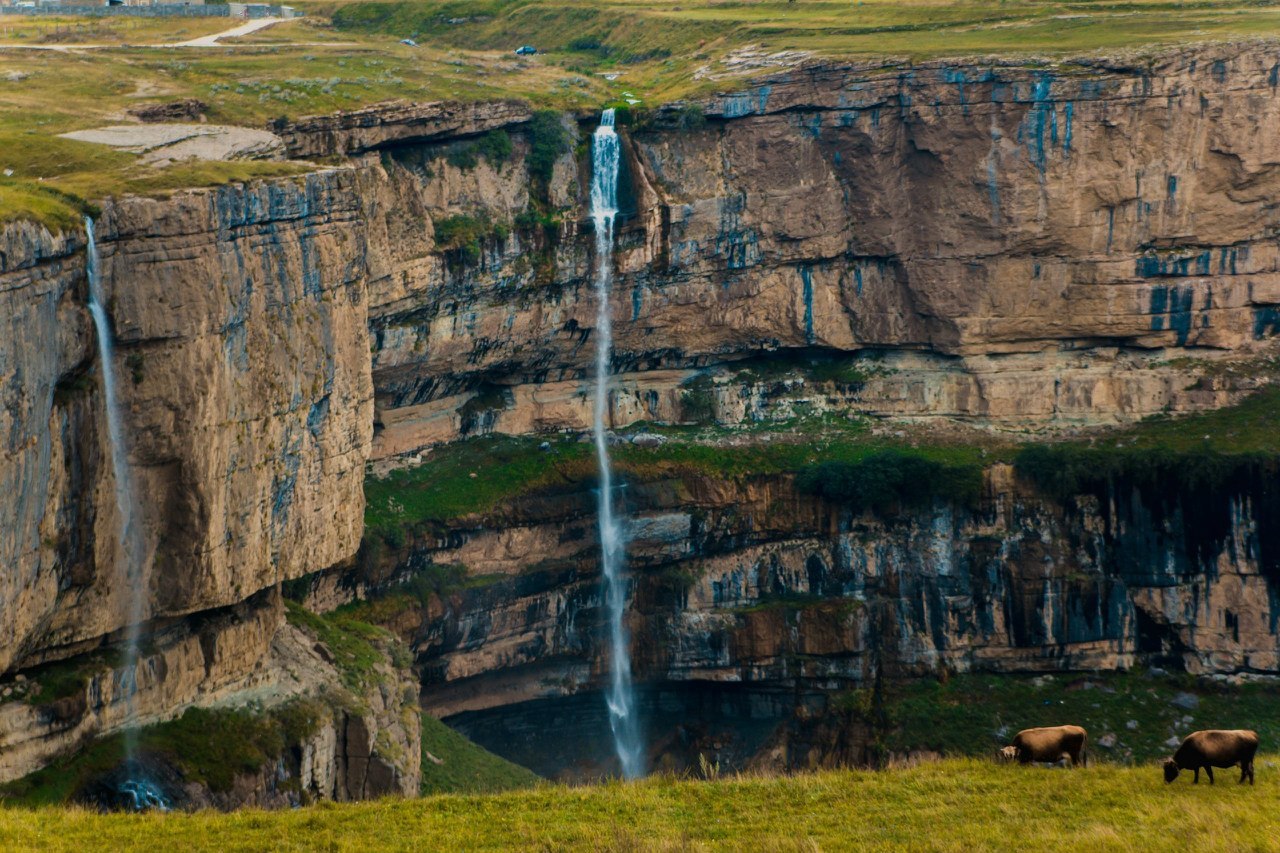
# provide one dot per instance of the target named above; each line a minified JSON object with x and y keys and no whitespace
{"x":242,"y":343}
{"x":1019,"y":244}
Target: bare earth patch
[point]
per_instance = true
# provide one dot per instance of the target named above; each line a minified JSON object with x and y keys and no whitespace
{"x":162,"y":143}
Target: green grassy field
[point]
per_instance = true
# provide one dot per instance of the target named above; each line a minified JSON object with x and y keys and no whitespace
{"x":956,"y":805}
{"x":975,"y":714}
{"x":348,"y":55}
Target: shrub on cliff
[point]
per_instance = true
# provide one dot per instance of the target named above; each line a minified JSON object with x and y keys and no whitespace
{"x":1065,"y":471}
{"x":889,"y":480}
{"x":547,"y":142}
{"x":495,"y":146}
{"x":462,"y":237}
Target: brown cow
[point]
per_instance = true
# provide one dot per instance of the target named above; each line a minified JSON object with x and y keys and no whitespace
{"x":1051,"y":744}
{"x":1214,"y":748}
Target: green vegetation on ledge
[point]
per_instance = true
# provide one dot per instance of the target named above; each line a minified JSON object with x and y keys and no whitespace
{"x":453,"y":764}
{"x":357,"y":647}
{"x":477,"y":475}
{"x":1203,"y":451}
{"x":210,"y":746}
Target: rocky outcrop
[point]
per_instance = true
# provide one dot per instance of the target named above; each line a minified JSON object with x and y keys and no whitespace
{"x":346,"y":743}
{"x":241,"y":333}
{"x":358,"y":131}
{"x":194,"y":662}
{"x":757,"y":582}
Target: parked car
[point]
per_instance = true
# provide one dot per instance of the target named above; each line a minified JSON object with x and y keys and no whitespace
{"x":526,"y":50}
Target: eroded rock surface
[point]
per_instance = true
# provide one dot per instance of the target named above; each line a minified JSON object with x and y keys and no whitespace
{"x":1016,"y":246}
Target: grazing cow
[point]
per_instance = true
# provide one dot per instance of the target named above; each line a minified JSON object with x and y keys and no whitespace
{"x":1050,"y":744}
{"x":1214,"y":748}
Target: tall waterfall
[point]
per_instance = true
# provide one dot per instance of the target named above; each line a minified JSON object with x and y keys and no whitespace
{"x":605,"y":157}
{"x":126,"y":503}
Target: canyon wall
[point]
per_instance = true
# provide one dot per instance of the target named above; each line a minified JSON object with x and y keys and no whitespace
{"x":1013,"y":245}
{"x":757,"y":586}
{"x":241,"y":333}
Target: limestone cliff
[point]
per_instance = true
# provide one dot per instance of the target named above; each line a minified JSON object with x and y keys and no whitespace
{"x":1014,"y":245}
{"x":241,"y":331}
{"x":1017,"y":244}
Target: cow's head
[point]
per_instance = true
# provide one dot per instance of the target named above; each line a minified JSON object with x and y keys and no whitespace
{"x":1007,"y":754}
{"x":1170,"y":770}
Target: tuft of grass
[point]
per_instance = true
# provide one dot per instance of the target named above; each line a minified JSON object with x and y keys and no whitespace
{"x":1201,"y":452}
{"x":547,"y":141}
{"x":494,"y":146}
{"x":463,"y":237}
{"x":443,"y":486}
{"x":62,"y":679}
{"x":892,"y":479}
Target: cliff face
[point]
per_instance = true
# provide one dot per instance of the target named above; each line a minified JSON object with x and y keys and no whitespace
{"x":1014,"y":245}
{"x":760,"y":594}
{"x":243,"y":347}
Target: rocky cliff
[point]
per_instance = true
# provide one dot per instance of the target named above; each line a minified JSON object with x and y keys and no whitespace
{"x":1012,"y":245}
{"x":753,"y":593}
{"x":1015,"y":244}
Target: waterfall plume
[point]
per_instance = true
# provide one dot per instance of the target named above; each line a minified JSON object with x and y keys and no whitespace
{"x":130,"y":570}
{"x":620,"y":696}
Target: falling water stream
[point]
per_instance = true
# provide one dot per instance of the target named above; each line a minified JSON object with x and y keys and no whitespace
{"x":141,"y":792}
{"x":605,"y":158}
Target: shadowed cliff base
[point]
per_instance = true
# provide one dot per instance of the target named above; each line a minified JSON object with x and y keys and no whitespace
{"x":702,"y":729}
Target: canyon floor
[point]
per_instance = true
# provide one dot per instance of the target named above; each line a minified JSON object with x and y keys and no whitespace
{"x":950,"y":805}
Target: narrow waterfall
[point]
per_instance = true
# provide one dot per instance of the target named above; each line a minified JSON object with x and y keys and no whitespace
{"x":130,"y":573}
{"x":606,"y":153}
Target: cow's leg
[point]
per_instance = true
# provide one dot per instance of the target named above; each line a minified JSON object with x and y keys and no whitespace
{"x":1244,"y":772}
{"x":1196,"y":780}
{"x":1249,"y":766}
{"x":1209,"y":770}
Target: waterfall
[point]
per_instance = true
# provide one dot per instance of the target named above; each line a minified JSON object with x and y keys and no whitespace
{"x":126,"y":504}
{"x":620,"y":697}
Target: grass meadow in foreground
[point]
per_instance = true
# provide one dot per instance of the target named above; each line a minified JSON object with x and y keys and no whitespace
{"x":956,"y":804}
